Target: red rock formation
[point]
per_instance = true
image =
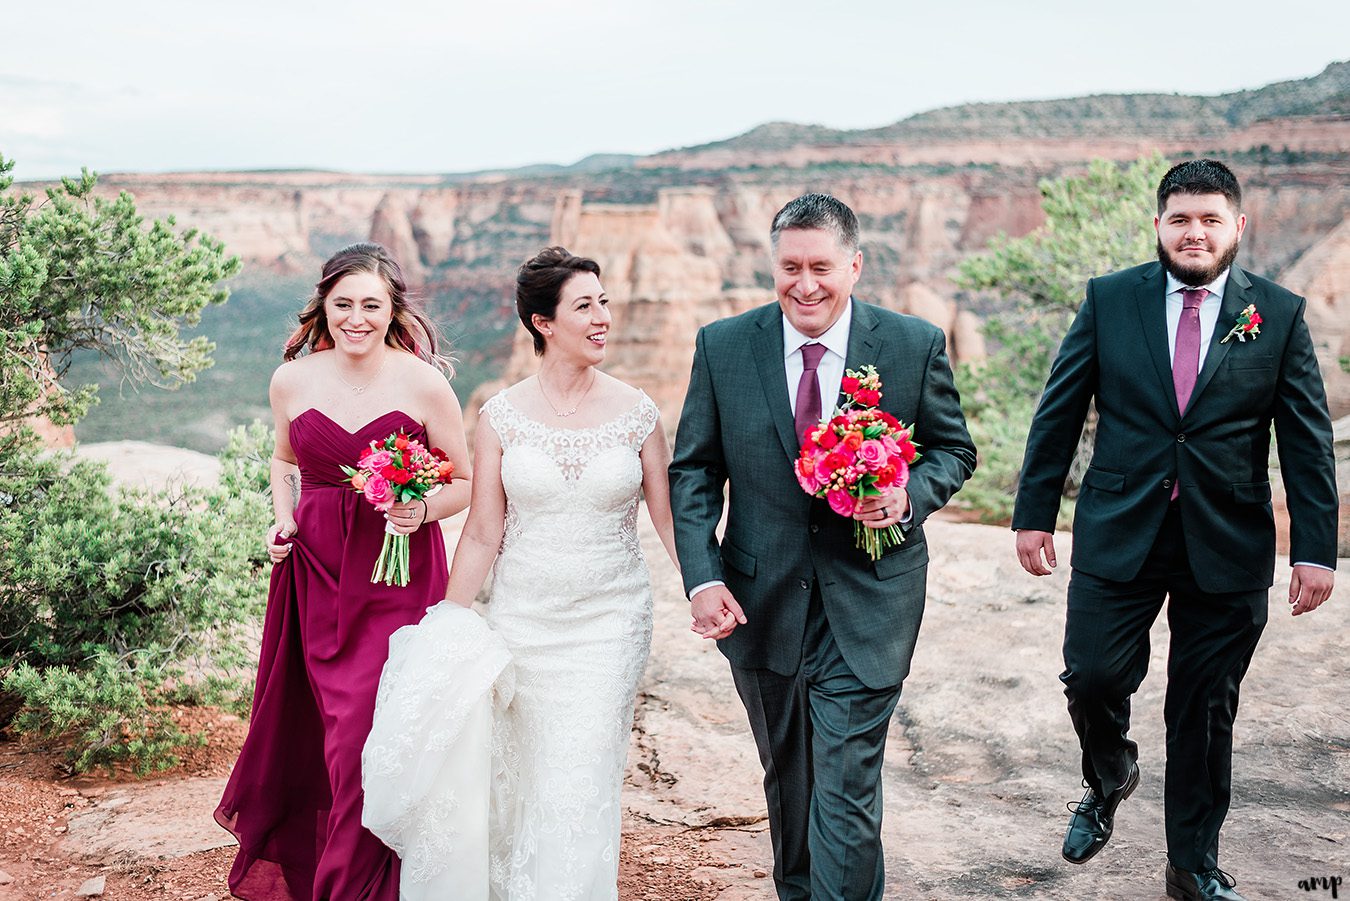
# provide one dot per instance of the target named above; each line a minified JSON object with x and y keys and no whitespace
{"x":1322,"y":275}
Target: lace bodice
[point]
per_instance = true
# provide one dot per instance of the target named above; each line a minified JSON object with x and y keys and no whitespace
{"x":554,"y":477}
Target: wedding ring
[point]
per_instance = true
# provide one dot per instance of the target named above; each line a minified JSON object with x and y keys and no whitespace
{"x":884,"y":513}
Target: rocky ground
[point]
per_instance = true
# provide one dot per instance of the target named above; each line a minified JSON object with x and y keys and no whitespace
{"x":981,"y":761}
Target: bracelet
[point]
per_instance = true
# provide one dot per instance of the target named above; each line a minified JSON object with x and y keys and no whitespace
{"x":426,"y":511}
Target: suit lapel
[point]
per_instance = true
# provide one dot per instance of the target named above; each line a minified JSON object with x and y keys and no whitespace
{"x":767,"y":346}
{"x":1234,"y":300}
{"x":1151,"y":305}
{"x":864,"y":344}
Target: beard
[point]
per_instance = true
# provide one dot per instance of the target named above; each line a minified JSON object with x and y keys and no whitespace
{"x":1195,"y":275}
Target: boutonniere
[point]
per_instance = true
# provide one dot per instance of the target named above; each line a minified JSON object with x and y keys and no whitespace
{"x":1248,"y":325}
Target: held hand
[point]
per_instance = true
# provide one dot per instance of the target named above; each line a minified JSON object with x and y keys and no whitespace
{"x":1031,"y":547}
{"x":278,"y":547}
{"x":407,"y":517}
{"x":716,"y":613}
{"x":1309,"y":587}
{"x":882,"y":511}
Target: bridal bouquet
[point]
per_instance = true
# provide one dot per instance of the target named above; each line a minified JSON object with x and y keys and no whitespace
{"x":859,"y":452}
{"x":397,"y":469}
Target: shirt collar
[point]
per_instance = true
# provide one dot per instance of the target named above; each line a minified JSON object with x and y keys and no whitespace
{"x":1215,"y":287}
{"x":835,"y":338}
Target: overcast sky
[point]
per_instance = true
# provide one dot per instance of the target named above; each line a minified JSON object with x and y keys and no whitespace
{"x":411,"y":86}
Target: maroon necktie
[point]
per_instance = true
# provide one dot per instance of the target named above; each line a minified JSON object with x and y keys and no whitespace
{"x":807,"y":412}
{"x":1186,"y":360}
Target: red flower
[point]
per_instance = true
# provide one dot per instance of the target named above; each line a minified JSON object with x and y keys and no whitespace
{"x":848,"y":385}
{"x":836,"y":461}
{"x":868,"y":397}
{"x":401,"y":442}
{"x":439,"y":454}
{"x":366,"y":451}
{"x":889,"y":419}
{"x":885,"y":475}
{"x":840,"y":421}
{"x":829,"y":438}
{"x":400,"y":477}
{"x":853,"y":440}
{"x":407,"y":460}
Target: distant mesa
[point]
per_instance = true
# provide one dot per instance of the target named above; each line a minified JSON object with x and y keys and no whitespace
{"x":682,"y":234}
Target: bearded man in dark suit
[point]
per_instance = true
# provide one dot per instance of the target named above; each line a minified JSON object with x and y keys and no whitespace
{"x":818,"y":635}
{"x":1189,"y":362}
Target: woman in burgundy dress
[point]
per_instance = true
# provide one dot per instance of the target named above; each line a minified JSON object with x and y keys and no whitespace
{"x":362,"y":364}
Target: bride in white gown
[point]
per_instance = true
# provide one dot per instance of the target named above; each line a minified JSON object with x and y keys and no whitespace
{"x":496,"y":758}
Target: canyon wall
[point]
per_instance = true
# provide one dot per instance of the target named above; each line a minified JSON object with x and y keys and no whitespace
{"x":682,"y":236}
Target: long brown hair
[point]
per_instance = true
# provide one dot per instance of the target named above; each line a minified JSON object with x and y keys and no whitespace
{"x":409,"y":328}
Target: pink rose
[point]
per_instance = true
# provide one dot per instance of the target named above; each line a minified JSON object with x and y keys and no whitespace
{"x":377,"y":461}
{"x":872,"y":452}
{"x":890,"y":445}
{"x":806,"y":475}
{"x":379,"y":492}
{"x":901,"y":472}
{"x":840,"y":502}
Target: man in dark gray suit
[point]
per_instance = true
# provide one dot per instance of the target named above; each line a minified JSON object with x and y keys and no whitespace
{"x":818,"y":635}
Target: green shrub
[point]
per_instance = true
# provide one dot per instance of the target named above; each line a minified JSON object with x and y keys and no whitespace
{"x":115,"y":603}
{"x":1095,"y":223}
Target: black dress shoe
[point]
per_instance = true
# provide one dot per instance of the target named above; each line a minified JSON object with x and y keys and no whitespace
{"x":1093,"y":819}
{"x":1211,"y":885}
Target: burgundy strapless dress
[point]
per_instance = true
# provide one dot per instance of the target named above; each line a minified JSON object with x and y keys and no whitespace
{"x":294,"y":798}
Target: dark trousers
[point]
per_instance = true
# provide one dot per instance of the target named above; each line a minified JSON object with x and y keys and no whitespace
{"x":821,"y":735}
{"x":1106,"y":650}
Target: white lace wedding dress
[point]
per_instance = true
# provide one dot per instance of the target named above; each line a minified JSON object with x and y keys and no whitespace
{"x":497,"y":753}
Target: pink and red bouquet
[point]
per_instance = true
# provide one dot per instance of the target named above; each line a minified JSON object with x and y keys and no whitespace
{"x":859,"y":452}
{"x":396,"y":469}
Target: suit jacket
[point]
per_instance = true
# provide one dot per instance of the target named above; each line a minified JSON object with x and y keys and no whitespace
{"x":737,"y":427}
{"x":1115,"y":354}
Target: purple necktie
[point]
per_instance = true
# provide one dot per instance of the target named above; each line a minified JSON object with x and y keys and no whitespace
{"x":807,"y":413}
{"x":1186,"y":360}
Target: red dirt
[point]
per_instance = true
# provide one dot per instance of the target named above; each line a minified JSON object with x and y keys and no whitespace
{"x":38,"y":794}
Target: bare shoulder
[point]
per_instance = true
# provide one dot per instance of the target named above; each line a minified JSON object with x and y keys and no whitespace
{"x":291,"y":375}
{"x":425,"y":380}
{"x":616,"y":393}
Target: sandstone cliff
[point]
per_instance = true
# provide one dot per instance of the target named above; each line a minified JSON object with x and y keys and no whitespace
{"x":682,"y":235}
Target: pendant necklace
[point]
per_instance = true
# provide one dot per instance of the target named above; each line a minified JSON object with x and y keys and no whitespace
{"x":361,"y":389}
{"x":560,"y":414}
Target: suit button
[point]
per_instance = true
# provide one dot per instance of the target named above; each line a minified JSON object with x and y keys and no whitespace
{"x":814,"y":528}
{"x":804,"y":584}
{"x":1181,"y":438}
{"x":1167,"y":483}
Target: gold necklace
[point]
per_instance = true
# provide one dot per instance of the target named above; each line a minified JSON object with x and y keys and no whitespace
{"x":575,"y":407}
{"x":361,"y":389}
